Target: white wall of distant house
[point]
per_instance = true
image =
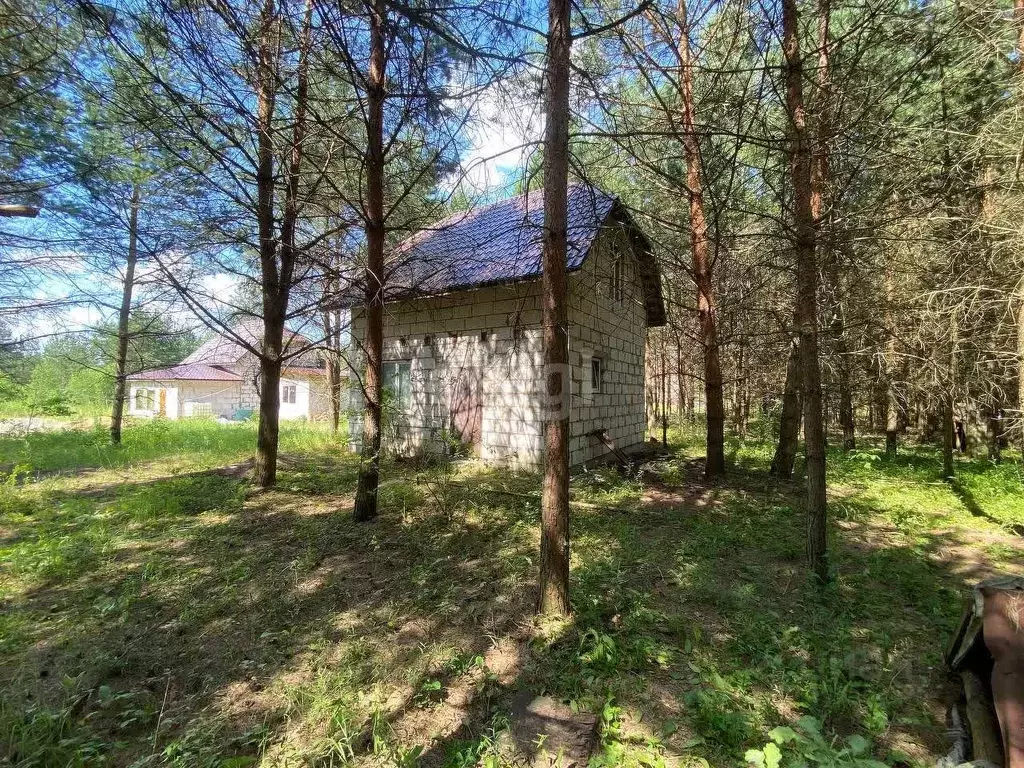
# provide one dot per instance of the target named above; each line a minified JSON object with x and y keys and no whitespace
{"x":187,"y":399}
{"x":294,"y":399}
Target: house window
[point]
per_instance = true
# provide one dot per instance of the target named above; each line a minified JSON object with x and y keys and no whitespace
{"x":596,"y":375}
{"x":398,"y":384}
{"x":617,"y":288}
{"x":144,"y":399}
{"x":288,"y":393}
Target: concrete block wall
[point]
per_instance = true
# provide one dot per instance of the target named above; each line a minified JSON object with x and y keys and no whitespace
{"x":601,"y":325}
{"x":440,"y":337}
{"x":222,"y":396}
{"x":490,"y":333}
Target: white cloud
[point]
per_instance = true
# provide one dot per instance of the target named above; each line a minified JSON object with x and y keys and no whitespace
{"x":507,"y":126}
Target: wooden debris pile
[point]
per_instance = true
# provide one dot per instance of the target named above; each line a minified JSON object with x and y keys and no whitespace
{"x":987,"y":654}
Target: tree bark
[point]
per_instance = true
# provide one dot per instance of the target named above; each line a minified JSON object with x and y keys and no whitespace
{"x":265,"y":469}
{"x":846,"y":417}
{"x":124,"y":315}
{"x":277,"y":257}
{"x":553,"y":597}
{"x":807,"y":287}
{"x":789,"y":418}
{"x":995,"y":433}
{"x":664,"y":393}
{"x":714,"y":399}
{"x":332,"y":334}
{"x":948,"y":436}
{"x":681,"y":378}
{"x":1020,"y":354}
{"x":365,"y":507}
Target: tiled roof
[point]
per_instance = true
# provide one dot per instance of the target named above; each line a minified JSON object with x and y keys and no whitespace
{"x":192,"y":371}
{"x":503,"y":242}
{"x":496,"y":243}
{"x":223,"y":349}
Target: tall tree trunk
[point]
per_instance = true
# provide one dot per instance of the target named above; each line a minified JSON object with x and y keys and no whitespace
{"x":553,"y":597}
{"x":995,"y":433}
{"x":1020,"y":353}
{"x":789,"y":418}
{"x":664,"y":393}
{"x":681,"y":379}
{"x":277,"y":259}
{"x":846,"y":418}
{"x":265,"y":468}
{"x":701,"y":254}
{"x":948,"y":435}
{"x":892,"y":405}
{"x":807,"y":288}
{"x":332,"y":333}
{"x":365,"y":507}
{"x":124,"y":315}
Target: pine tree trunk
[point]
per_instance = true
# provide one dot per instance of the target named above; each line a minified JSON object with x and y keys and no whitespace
{"x":714,"y":398}
{"x":277,"y":260}
{"x":332,"y":333}
{"x":553,"y":597}
{"x":124,"y":315}
{"x":265,"y":469}
{"x":995,"y":434}
{"x":846,"y":418}
{"x":892,"y":405}
{"x":365,"y":507}
{"x":789,"y":418}
{"x":1020,"y":356}
{"x":807,"y":286}
{"x":681,"y":380}
{"x":948,"y":436}
{"x":664,"y":393}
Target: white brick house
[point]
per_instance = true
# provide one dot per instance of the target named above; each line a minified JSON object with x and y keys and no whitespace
{"x":221,"y":379}
{"x":463,"y":339}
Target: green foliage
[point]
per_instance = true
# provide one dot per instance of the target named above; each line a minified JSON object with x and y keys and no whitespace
{"x":804,"y":745}
{"x":693,"y":632}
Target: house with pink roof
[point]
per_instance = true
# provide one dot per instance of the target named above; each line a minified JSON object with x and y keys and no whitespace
{"x":221,"y":379}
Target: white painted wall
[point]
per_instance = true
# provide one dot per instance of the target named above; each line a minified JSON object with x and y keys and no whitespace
{"x":156,"y":387}
{"x":300,"y":408}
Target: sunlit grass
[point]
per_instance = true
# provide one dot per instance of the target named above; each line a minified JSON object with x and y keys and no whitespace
{"x":161,"y":612}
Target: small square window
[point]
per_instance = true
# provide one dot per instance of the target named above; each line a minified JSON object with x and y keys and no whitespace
{"x":596,"y":375}
{"x":288,"y":394}
{"x":144,"y":399}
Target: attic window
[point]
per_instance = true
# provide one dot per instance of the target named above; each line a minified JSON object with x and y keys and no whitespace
{"x":617,"y":288}
{"x":596,"y":375}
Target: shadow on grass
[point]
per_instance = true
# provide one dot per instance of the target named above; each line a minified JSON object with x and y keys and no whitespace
{"x":222,"y":624}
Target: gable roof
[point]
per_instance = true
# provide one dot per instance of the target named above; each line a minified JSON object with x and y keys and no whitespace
{"x":223,"y":349}
{"x":503,"y":242}
{"x":187,"y":371}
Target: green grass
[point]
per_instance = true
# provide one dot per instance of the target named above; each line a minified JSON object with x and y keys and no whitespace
{"x":157,"y":611}
{"x":195,"y":441}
